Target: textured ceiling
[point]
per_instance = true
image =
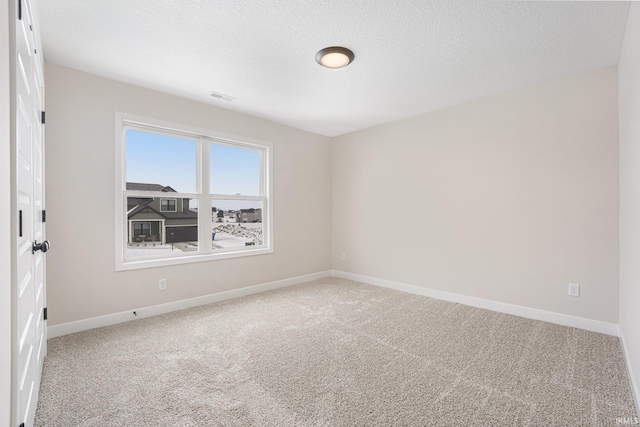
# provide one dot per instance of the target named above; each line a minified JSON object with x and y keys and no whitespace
{"x":412,"y":56}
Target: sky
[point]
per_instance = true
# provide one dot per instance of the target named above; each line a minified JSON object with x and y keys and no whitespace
{"x":170,"y":160}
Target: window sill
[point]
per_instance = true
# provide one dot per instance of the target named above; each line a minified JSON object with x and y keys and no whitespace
{"x":187,"y":259}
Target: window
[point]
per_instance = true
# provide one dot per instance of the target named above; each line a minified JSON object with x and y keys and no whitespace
{"x":168,"y":205}
{"x":141,"y":229}
{"x":219,"y":203}
{"x":235,"y":187}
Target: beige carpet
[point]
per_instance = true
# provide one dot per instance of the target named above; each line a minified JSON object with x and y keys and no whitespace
{"x":334,"y":353}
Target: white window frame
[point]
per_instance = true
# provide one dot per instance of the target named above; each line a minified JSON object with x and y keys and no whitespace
{"x":204,"y":138}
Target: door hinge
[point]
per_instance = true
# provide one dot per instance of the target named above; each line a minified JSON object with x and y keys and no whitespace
{"x":44,"y":313}
{"x":19,"y":223}
{"x":20,"y":15}
{"x":44,"y":215}
{"x":42,"y":118}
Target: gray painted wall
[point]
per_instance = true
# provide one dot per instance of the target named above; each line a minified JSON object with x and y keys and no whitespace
{"x":629,"y":111}
{"x":507,"y":198}
{"x":81,"y":278}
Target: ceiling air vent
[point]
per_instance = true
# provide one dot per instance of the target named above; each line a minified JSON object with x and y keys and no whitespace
{"x":222,"y":96}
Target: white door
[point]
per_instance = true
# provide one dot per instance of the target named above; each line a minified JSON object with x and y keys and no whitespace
{"x":30,"y":347}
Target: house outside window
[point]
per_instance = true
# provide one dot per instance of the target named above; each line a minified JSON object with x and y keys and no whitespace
{"x":219,"y":205}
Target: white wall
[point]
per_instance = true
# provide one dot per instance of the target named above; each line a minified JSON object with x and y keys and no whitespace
{"x":5,"y":220}
{"x":629,"y":121}
{"x":507,"y":198}
{"x":81,"y":278}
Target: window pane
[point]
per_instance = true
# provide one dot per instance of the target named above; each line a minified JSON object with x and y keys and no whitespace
{"x":159,"y":162}
{"x":235,"y":170}
{"x":153,"y":232}
{"x":168,"y":205}
{"x":236,"y":223}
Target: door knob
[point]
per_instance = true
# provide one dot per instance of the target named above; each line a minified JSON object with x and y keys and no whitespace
{"x":44,"y":246}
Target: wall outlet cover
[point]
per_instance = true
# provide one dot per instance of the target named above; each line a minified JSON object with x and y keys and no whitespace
{"x":574,"y":290}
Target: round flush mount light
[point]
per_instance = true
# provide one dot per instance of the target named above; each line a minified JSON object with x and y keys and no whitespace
{"x":334,"y":57}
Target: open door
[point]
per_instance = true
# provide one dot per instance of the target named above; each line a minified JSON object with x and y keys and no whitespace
{"x":29,"y":287}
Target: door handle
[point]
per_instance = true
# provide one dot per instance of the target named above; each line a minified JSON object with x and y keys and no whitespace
{"x":44,"y":246}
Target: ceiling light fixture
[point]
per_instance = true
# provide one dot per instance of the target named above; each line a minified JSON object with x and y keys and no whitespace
{"x":334,"y":57}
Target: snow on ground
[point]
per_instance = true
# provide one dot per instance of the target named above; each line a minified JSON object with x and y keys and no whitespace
{"x":227,"y":235}
{"x":224,"y":241}
{"x":236,"y":235}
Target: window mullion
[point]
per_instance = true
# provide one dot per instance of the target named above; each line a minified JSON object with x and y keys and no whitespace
{"x":204,"y":201}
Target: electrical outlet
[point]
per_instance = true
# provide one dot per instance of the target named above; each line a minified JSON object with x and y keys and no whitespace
{"x":343,"y":256}
{"x":574,"y":290}
{"x":162,"y":284}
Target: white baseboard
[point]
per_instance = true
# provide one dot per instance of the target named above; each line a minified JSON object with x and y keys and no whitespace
{"x":531,"y":313}
{"x":632,"y":379}
{"x":517,"y":310}
{"x":125,"y":316}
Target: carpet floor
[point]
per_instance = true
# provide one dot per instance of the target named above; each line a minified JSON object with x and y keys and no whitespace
{"x":334,"y":352}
